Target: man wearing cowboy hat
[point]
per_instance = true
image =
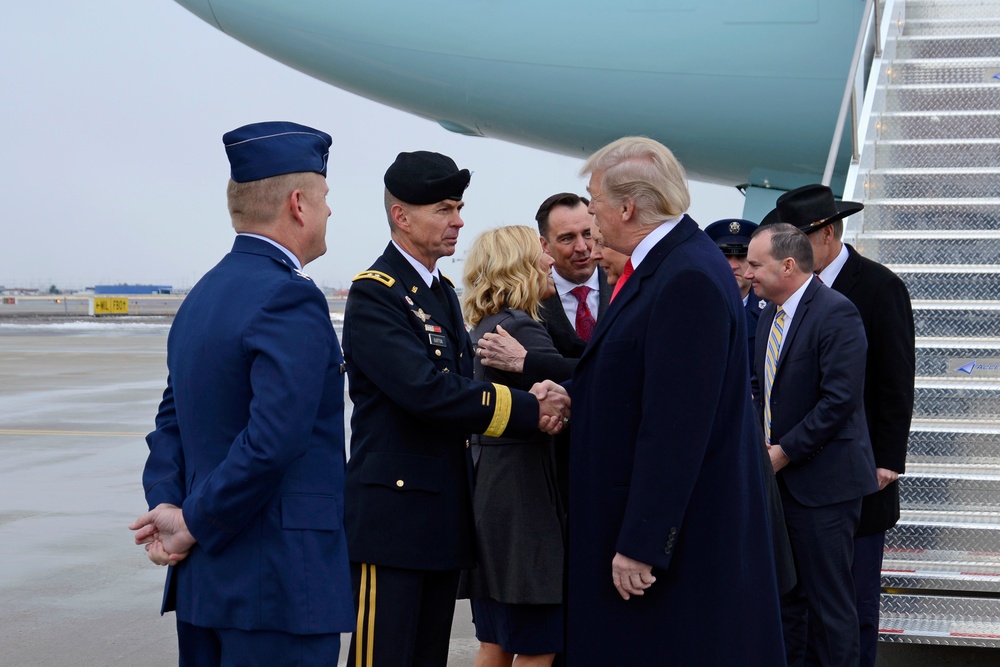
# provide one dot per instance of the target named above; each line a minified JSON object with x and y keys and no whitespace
{"x":884,"y":303}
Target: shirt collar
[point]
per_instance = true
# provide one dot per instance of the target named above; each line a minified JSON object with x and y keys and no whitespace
{"x":830,"y":273}
{"x":425,"y":275}
{"x":293,"y":258}
{"x":564,"y":286}
{"x":652,"y":238}
{"x":792,"y":302}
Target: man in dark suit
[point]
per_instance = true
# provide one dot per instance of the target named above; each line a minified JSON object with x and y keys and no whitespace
{"x":582,"y":291}
{"x":666,"y":495}
{"x":582,"y":294}
{"x":409,"y":517}
{"x":884,"y":304}
{"x":245,"y":475}
{"x":808,"y":386}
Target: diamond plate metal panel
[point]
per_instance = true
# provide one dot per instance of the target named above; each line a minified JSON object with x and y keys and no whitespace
{"x":943,"y":284}
{"x":922,"y":214}
{"x":933,"y":358}
{"x":940,"y":620}
{"x":927,"y":248}
{"x":955,"y":97}
{"x":942,"y":580}
{"x":942,"y":320}
{"x":962,"y":398}
{"x":937,"y":153}
{"x":949,"y":46}
{"x":965,"y":494}
{"x":958,"y":443}
{"x":962,"y":541}
{"x":944,"y":71}
{"x":939,"y":124}
{"x":934,"y":183}
{"x":943,"y":10}
{"x":958,"y":27}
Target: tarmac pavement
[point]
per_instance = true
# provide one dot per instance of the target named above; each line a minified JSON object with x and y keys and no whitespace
{"x":76,"y":400}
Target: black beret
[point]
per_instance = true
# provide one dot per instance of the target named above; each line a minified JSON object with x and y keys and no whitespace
{"x":262,"y":150}
{"x":732,"y":235}
{"x":423,"y":177}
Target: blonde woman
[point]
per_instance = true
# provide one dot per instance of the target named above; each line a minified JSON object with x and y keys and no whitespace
{"x":516,"y":589}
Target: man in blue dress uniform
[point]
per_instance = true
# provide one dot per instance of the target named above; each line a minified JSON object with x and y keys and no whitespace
{"x":409,"y":480}
{"x":245,"y":475}
{"x":732,"y":235}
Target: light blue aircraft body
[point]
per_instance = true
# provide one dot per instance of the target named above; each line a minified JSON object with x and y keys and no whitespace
{"x":740,"y":90}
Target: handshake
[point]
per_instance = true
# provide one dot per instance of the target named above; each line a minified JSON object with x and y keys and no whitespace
{"x":553,"y":406}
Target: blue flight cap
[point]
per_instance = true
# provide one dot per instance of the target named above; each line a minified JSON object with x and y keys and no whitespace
{"x":423,"y":178}
{"x":732,"y":235}
{"x":262,"y":150}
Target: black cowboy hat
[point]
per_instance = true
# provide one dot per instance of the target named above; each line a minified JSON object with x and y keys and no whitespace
{"x":809,"y":208}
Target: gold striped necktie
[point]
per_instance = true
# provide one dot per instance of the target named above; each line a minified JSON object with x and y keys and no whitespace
{"x":770,"y":363}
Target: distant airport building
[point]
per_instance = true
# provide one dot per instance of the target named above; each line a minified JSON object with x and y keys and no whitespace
{"x":132,"y":289}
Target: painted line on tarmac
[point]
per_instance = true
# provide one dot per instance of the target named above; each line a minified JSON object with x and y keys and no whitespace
{"x":103,"y":434}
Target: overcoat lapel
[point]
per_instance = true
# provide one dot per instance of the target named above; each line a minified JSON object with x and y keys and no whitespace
{"x":848,"y":276}
{"x":630,"y":291}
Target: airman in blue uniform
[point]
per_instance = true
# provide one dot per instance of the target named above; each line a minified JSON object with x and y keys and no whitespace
{"x":245,"y":474}
{"x":732,"y":235}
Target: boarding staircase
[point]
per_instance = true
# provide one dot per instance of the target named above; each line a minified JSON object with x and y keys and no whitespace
{"x":930,"y":180}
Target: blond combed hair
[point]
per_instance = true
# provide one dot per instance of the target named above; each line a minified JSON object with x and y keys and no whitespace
{"x":502,"y":271}
{"x":256,"y":204}
{"x":644,"y":171}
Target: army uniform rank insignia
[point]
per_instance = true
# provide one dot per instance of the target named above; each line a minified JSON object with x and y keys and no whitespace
{"x":377,"y":276}
{"x":301,"y":274}
{"x":762,"y":304}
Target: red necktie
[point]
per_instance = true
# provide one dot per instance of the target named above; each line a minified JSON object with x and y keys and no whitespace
{"x":584,"y":318}
{"x":622,"y":278}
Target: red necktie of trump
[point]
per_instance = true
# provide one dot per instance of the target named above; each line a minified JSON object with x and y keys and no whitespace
{"x":626,"y":272}
{"x":585,"y":321}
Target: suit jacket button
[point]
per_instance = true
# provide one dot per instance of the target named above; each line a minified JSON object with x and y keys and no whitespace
{"x":399,"y":483}
{"x":667,"y":551}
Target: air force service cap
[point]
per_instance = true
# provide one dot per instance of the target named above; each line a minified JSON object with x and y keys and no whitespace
{"x":423,"y":177}
{"x":732,"y":235}
{"x":262,"y":150}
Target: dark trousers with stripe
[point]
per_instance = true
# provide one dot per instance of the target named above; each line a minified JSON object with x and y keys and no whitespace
{"x":404,"y":616}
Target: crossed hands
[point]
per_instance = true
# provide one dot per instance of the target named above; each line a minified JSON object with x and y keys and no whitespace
{"x":164,"y":533}
{"x":553,"y":406}
{"x":630,"y":576}
{"x":502,"y":351}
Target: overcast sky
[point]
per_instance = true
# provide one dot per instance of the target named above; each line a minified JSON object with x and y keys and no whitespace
{"x":113,"y":169}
